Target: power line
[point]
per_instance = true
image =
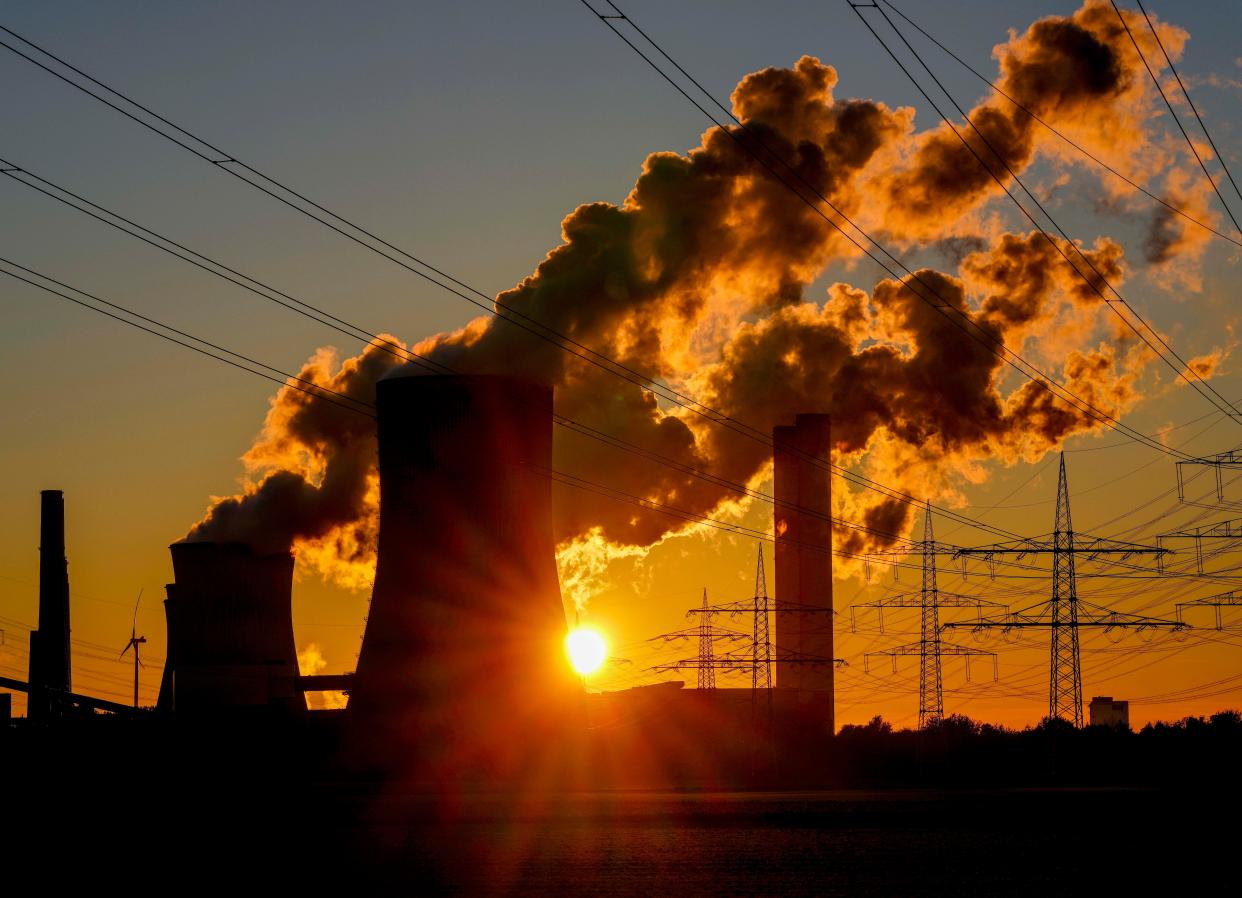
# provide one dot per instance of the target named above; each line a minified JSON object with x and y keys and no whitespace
{"x":1185,"y":371}
{"x":704,"y":411}
{"x":291,"y":303}
{"x":1007,"y":355}
{"x":1081,"y":149}
{"x":1219,"y":156}
{"x":219,"y":159}
{"x":238,"y":361}
{"x":852,"y":480}
{"x":1173,"y":112}
{"x":153,"y":327}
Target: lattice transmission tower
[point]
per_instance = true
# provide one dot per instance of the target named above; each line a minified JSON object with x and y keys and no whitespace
{"x":761,"y":645}
{"x":707,"y":650}
{"x":1230,"y":532}
{"x":1232,"y":599}
{"x":1218,"y":463}
{"x":931,"y":647}
{"x":757,"y":654}
{"x":1064,"y":614}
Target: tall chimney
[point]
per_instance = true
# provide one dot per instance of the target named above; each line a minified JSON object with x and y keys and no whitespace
{"x":49,"y":645}
{"x":803,"y":606}
{"x":462,"y":670}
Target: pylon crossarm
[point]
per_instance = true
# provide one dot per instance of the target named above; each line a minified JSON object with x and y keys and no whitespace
{"x":943,"y":599}
{"x":1109,"y":620}
{"x":915,"y":548}
{"x":1223,"y":600}
{"x":1091,"y":614}
{"x":1231,"y":529}
{"x":747,"y":607}
{"x":1229,"y":458}
{"x":1079,"y":547}
{"x":694,"y":663}
{"x":718,"y":632}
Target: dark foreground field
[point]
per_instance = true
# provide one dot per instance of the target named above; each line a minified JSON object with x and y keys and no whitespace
{"x":242,"y":815}
{"x":1042,"y":842}
{"x":345,"y":841}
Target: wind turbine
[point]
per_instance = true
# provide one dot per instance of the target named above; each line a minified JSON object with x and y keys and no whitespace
{"x":135,"y":643}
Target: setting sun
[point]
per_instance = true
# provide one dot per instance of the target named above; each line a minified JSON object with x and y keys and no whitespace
{"x":586,"y":649}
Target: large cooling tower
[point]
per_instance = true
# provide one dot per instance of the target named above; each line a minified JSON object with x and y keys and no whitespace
{"x":803,"y":607}
{"x":230,"y":630}
{"x":462,"y":671}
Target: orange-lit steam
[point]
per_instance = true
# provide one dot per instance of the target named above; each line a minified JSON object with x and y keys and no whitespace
{"x":699,"y":278}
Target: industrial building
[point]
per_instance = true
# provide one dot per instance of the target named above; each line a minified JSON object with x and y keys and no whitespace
{"x":802,"y":612}
{"x":462,"y":671}
{"x":1105,"y":712}
{"x":230,"y":631}
{"x":49,"y":644}
{"x":461,"y":675}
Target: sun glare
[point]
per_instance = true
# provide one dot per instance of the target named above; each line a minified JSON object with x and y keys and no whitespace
{"x":586,"y":649}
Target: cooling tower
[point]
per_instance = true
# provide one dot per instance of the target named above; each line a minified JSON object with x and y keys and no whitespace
{"x":803,"y":606}
{"x":230,"y":630}
{"x":49,"y":645}
{"x":462,"y":672}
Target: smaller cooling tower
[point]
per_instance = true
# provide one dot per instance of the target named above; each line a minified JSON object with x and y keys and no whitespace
{"x":230,"y":630}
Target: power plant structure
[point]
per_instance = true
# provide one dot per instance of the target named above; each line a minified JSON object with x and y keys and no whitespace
{"x":462,"y":669}
{"x":230,"y":631}
{"x":462,"y":679}
{"x":802,"y":476}
{"x":49,"y":644}
{"x":781,"y":724}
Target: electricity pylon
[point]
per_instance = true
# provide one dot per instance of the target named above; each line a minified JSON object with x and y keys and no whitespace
{"x":1231,"y":599}
{"x":1218,"y":462}
{"x":761,"y":645}
{"x":1065,"y":614}
{"x":759,"y":654}
{"x":930,"y":648}
{"x":1226,"y":530}
{"x":707,"y":654}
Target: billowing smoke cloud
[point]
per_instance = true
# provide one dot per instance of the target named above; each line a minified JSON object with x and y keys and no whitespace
{"x":1080,"y":74}
{"x":316,"y":463}
{"x":698,"y":279}
{"x":907,"y":380}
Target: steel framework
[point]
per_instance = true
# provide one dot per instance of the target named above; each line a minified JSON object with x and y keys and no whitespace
{"x":759,"y":654}
{"x":1065,"y":614}
{"x":707,"y":654}
{"x":1218,"y":462}
{"x":930,"y":648}
{"x":1229,"y":530}
{"x":1232,"y":599}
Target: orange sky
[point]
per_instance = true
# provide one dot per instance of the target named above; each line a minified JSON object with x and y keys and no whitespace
{"x":711,"y":251}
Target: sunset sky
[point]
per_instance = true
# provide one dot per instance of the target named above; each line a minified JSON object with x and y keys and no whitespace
{"x":466,"y":133}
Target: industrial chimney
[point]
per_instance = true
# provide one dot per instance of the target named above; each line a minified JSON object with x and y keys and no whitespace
{"x":230,"y":630}
{"x":803,"y":528}
{"x":49,"y":645}
{"x":462,"y":671}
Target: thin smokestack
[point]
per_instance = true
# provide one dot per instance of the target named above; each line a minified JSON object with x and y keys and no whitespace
{"x":804,"y":559}
{"x":49,"y":645}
